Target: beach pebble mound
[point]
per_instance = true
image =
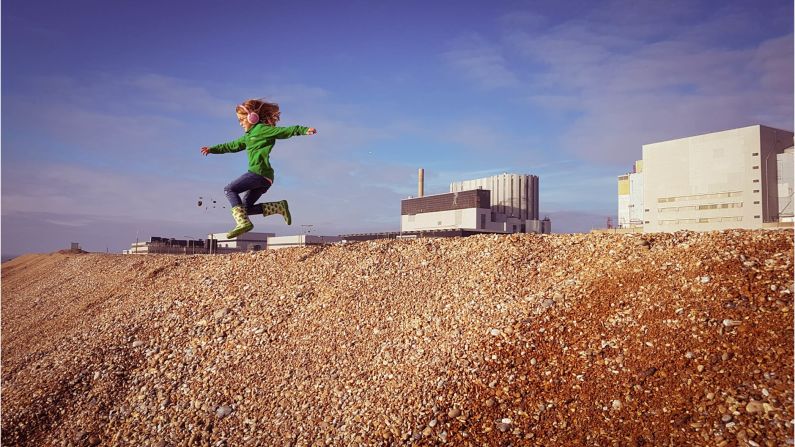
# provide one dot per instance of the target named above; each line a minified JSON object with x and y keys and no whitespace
{"x":587,"y":339}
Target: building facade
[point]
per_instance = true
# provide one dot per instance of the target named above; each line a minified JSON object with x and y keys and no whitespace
{"x":738,"y":178}
{"x":784,"y":166}
{"x":630,"y":198}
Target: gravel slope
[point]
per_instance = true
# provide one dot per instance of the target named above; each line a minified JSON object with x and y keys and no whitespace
{"x":600,"y":339}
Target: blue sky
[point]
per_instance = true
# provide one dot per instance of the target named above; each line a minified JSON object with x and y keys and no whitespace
{"x":106,"y":104}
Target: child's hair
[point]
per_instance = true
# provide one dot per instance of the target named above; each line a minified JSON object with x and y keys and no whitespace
{"x":268,"y":111}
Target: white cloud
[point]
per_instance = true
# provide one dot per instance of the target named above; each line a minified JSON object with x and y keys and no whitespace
{"x":481,"y":62}
{"x":625,"y":78}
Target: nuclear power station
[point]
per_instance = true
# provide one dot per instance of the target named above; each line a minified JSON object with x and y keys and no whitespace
{"x":504,"y":203}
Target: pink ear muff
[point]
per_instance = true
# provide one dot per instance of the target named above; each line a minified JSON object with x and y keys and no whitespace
{"x":252,"y":117}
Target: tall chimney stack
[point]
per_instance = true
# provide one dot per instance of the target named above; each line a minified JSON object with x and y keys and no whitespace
{"x":421,"y":183}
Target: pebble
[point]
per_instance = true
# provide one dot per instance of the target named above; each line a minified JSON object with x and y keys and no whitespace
{"x":220,"y":313}
{"x":137,"y":343}
{"x":454,"y":413}
{"x":730,"y":323}
{"x":649,"y":372}
{"x":223,"y":411}
{"x":754,"y":407}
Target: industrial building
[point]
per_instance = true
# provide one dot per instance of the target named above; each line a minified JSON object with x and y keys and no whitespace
{"x":505,"y":203}
{"x":738,"y":178}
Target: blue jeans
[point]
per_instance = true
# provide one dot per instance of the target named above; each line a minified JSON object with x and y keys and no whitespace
{"x":254,"y":186}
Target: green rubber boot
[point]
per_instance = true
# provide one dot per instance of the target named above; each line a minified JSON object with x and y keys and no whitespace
{"x":242,"y":220}
{"x":279,"y":207}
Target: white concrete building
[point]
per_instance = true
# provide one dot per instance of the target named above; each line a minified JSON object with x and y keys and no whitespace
{"x":506,"y":203}
{"x":300,"y":240}
{"x":730,"y":179}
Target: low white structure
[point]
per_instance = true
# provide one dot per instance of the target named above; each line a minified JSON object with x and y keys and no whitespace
{"x":300,"y":240}
{"x":250,"y":241}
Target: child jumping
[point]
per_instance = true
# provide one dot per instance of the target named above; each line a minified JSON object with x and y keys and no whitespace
{"x":258,"y":118}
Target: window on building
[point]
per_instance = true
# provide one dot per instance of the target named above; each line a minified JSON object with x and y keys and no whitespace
{"x":756,"y":217}
{"x":514,"y":229}
{"x":756,"y":202}
{"x":756,"y":181}
{"x":755,"y":154}
{"x":756,"y":190}
{"x":482,"y":222}
{"x":755,"y":167}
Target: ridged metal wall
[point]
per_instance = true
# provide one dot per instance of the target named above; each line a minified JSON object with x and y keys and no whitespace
{"x":511,"y":194}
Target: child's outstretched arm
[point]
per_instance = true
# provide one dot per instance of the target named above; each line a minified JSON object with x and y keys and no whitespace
{"x":223,"y":148}
{"x":286,"y":132}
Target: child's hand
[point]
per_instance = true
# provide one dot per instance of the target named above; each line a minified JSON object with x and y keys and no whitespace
{"x":311,"y":131}
{"x":205,"y":150}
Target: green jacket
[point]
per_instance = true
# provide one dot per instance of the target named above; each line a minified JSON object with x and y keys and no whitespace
{"x":258,"y":142}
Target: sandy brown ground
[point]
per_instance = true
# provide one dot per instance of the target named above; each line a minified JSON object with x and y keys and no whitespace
{"x":657,"y":339}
